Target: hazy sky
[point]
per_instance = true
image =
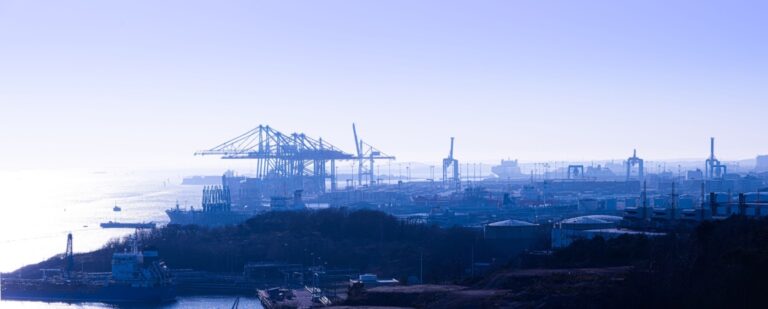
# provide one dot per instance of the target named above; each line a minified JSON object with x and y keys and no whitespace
{"x":146,"y":83}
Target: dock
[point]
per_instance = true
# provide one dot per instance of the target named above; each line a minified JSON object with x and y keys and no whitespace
{"x":290,"y":298}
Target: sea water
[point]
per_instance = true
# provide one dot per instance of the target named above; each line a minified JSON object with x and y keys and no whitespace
{"x":38,"y":208}
{"x":192,"y":302}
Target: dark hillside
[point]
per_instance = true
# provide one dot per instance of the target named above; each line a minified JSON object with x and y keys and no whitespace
{"x":365,"y":240}
{"x":720,"y":264}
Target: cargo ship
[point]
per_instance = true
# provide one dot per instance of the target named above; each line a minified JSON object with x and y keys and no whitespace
{"x":201,"y":180}
{"x":206,"y":218}
{"x":508,"y":169}
{"x":216,"y":211}
{"x":137,"y":277}
{"x":127,"y":225}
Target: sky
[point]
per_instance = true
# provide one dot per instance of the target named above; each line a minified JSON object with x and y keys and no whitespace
{"x":147,"y":83}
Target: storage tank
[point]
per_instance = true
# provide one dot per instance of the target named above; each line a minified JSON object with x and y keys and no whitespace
{"x":589,"y":222}
{"x":511,"y":229}
{"x":686,"y":202}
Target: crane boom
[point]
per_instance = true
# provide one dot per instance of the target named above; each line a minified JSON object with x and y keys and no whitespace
{"x":357,"y":143}
{"x":366,"y":151}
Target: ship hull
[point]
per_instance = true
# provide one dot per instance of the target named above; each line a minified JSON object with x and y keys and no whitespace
{"x":41,"y":291}
{"x":118,"y":225}
{"x":182,"y":217}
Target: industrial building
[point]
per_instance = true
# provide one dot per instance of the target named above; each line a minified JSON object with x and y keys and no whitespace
{"x":587,"y":227}
{"x":293,"y":167}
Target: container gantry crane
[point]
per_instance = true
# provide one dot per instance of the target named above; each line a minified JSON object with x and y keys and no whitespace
{"x":450,"y":163}
{"x":295,"y":159}
{"x":366,"y":156}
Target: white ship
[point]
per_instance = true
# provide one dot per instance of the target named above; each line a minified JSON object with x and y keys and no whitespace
{"x":507,"y":169}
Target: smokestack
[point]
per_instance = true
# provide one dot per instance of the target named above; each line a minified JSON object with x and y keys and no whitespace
{"x":711,"y":147}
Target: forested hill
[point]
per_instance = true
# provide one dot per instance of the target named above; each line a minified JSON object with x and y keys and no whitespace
{"x":364,"y":240}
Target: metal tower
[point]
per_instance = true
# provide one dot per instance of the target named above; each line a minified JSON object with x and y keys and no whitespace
{"x":451,"y":163}
{"x":366,"y":156}
{"x":631,"y":162}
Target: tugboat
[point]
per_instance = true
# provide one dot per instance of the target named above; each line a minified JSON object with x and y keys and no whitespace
{"x":137,"y":277}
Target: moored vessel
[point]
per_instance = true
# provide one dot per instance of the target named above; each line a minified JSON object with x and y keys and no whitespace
{"x":137,"y":276}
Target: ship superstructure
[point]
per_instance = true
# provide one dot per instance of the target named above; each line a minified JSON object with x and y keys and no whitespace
{"x":216,"y":210}
{"x":507,"y":169}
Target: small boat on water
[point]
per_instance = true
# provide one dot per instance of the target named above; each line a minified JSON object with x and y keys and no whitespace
{"x":125,"y":225}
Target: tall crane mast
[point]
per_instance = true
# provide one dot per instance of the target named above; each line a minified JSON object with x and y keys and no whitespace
{"x":451,"y":163}
{"x":366,"y":151}
{"x":359,"y":151}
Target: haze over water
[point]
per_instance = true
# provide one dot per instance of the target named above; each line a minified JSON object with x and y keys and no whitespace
{"x":41,"y":206}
